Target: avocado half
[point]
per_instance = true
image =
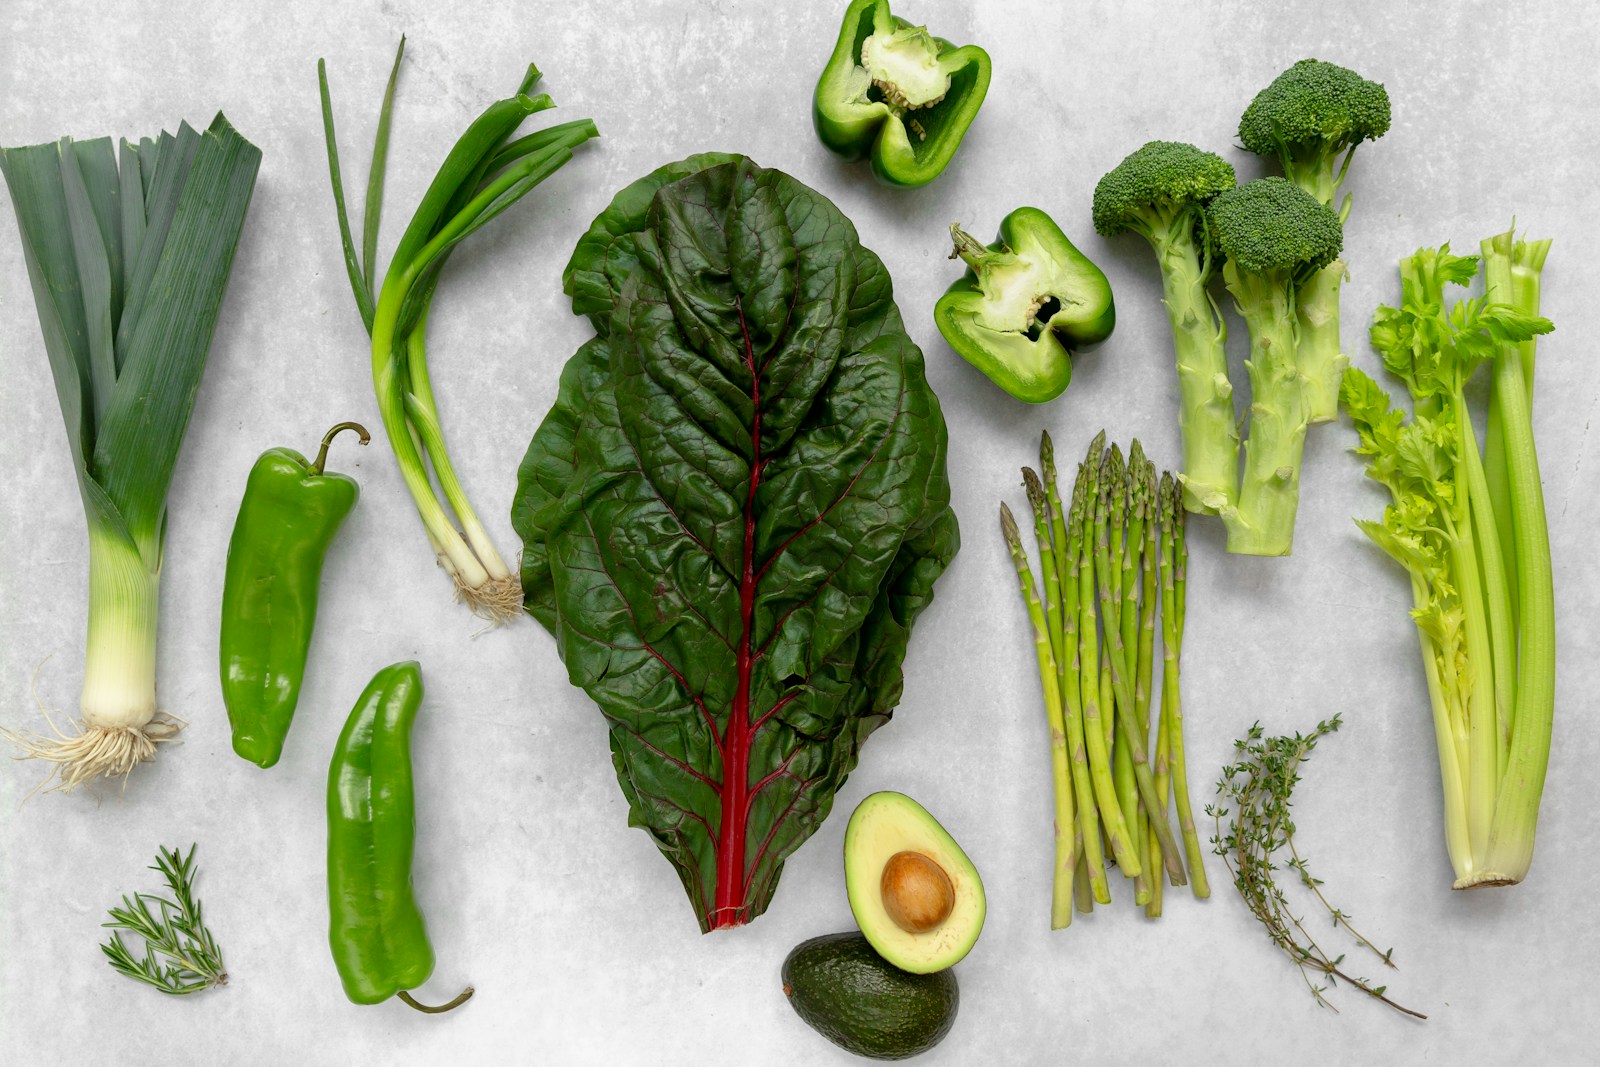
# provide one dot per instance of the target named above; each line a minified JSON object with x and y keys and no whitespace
{"x":915,"y":895}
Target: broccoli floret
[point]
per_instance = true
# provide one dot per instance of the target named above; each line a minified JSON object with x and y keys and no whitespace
{"x":1274,"y":236}
{"x":1310,"y":115}
{"x":1272,"y":227}
{"x":1162,"y":180}
{"x":1311,"y":118}
{"x":1160,"y":192}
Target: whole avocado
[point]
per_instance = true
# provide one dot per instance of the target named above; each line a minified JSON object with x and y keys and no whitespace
{"x":850,"y":995}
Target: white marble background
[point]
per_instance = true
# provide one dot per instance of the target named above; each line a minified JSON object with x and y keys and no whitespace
{"x":574,"y":931}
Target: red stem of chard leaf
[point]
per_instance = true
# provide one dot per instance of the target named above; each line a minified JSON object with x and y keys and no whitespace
{"x":731,"y":907}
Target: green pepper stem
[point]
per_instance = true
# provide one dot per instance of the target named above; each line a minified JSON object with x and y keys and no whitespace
{"x":967,"y":248}
{"x":327,"y":439}
{"x":461,"y":998}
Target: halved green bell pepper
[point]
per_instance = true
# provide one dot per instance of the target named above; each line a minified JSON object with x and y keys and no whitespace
{"x":896,"y":92}
{"x":1026,"y":303}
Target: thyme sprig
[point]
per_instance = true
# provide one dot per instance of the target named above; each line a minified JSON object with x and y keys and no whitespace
{"x":181,"y":955}
{"x":1256,"y":793}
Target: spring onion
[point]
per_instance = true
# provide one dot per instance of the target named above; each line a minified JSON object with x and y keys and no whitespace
{"x":485,"y":173}
{"x":128,"y":251}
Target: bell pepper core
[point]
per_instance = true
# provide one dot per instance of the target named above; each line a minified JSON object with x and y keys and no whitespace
{"x":895,"y":92}
{"x":289,"y":516}
{"x":1026,"y":304}
{"x":375,"y":929}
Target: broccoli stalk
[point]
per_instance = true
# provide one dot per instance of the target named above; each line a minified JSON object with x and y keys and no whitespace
{"x":1274,"y":236}
{"x":1311,"y":119}
{"x":1160,"y":193}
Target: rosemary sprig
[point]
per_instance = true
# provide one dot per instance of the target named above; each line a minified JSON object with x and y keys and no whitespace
{"x":180,"y":954}
{"x":1259,"y":786}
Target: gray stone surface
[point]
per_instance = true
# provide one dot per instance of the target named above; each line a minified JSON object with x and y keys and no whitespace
{"x":574,"y":931}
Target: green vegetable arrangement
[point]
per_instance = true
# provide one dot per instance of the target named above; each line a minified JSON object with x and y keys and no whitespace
{"x":483,"y":175}
{"x":128,"y":251}
{"x":1106,"y":562}
{"x":1255,"y":824}
{"x":375,"y":928}
{"x":895,"y":92}
{"x":1470,"y":529}
{"x":1311,"y":119}
{"x":1027,"y":303}
{"x":291,"y":512}
{"x":734,"y":512}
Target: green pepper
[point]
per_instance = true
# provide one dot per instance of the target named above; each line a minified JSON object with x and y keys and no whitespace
{"x":379,"y":940}
{"x":1026,"y":303}
{"x":290,"y":514}
{"x":895,"y":91}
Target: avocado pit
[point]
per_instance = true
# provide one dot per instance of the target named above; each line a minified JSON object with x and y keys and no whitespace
{"x":917,"y":893}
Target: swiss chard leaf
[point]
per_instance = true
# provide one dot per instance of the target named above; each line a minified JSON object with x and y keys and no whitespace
{"x":734,"y":512}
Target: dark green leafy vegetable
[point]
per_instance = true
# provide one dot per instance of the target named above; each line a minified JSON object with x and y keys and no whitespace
{"x":734,"y":512}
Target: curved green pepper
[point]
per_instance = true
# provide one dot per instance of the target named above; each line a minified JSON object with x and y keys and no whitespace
{"x":895,"y":91}
{"x":290,"y":514}
{"x":379,"y":940}
{"x":1026,"y":303}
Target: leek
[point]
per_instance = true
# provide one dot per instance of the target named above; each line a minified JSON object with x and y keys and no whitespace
{"x":1470,"y":528}
{"x":128,"y":251}
{"x":485,"y":173}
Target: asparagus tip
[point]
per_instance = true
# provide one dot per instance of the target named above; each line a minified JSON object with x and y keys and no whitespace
{"x":1035,"y":488}
{"x":1096,"y":447}
{"x":1008,"y":524}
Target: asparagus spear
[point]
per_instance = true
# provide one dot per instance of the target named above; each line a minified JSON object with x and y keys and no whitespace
{"x":1128,"y":727}
{"x":1110,"y":519}
{"x":1133,"y":564}
{"x":1068,"y":539}
{"x":1150,"y":590}
{"x":1098,"y":714}
{"x":1066,"y":823}
{"x":1175,"y":553}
